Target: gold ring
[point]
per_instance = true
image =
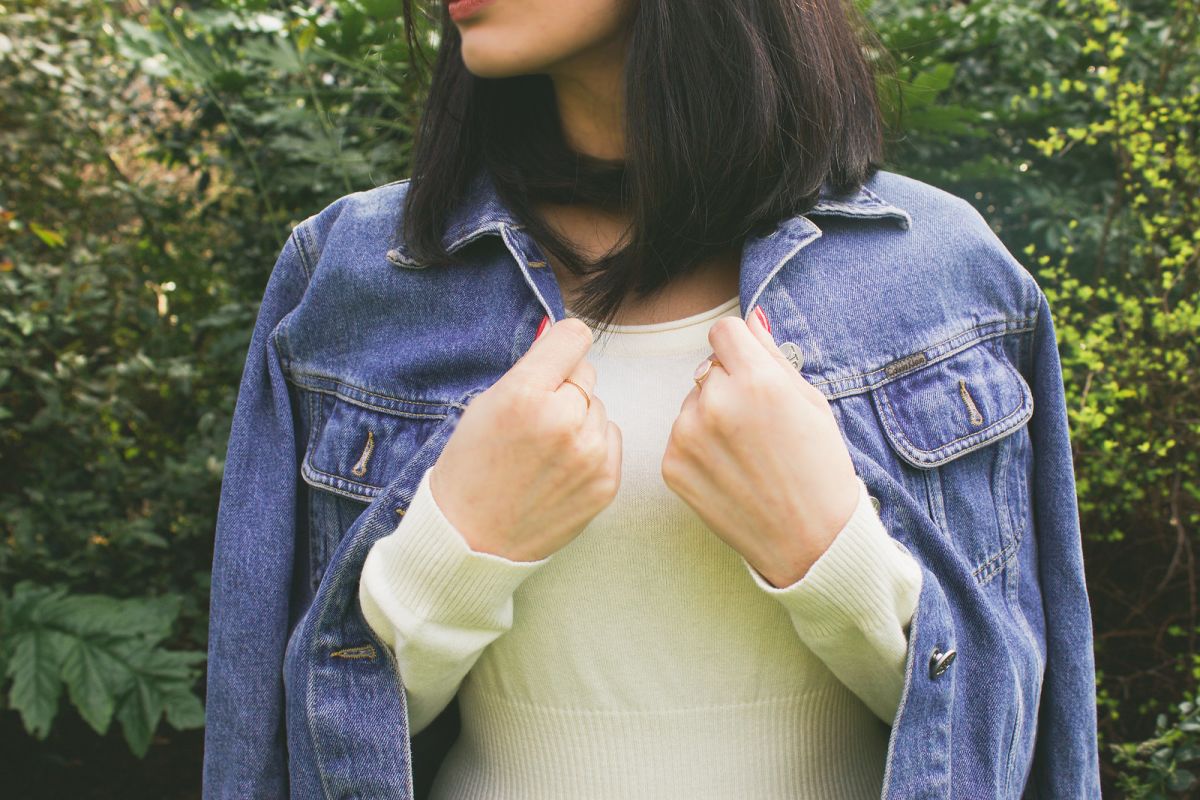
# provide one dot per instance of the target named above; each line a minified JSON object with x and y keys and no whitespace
{"x":702,"y":370}
{"x":587,"y":399}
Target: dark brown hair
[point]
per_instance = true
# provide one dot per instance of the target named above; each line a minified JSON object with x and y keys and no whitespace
{"x":736,"y":113}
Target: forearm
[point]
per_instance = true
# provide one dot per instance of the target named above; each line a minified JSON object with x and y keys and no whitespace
{"x":436,"y":602}
{"x":853,"y":606}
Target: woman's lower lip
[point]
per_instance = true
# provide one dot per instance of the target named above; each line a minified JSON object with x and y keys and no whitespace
{"x":461,"y":9}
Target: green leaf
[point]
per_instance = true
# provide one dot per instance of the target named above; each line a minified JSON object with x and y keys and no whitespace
{"x":184,"y":709}
{"x":99,"y":615}
{"x":89,"y":673}
{"x":935,"y":79}
{"x":52,"y":238}
{"x":107,"y":653}
{"x":35,"y":669}
{"x":139,"y":713}
{"x":1181,"y":780}
{"x":383,"y":9}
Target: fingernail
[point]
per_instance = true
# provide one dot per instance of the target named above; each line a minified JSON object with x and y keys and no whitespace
{"x":541,"y":326}
{"x":762,"y":315}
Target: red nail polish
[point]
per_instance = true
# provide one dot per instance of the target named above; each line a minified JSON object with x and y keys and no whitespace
{"x":762,"y":315}
{"x":541,"y":326}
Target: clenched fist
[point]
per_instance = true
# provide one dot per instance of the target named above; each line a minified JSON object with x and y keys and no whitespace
{"x":757,"y":453}
{"x":530,"y":464}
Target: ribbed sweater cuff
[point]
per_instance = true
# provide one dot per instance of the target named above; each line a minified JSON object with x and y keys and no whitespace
{"x":864,"y":581}
{"x":428,"y":569}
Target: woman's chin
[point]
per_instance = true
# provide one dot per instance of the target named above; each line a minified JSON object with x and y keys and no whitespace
{"x":498,"y":59}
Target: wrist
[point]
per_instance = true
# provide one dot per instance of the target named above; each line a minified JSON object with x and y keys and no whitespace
{"x":806,"y":549}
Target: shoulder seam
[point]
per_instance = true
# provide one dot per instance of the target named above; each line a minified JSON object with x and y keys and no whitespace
{"x":304,"y":248}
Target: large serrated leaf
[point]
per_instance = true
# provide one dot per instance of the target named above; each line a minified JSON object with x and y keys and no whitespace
{"x":35,"y":669}
{"x":90,"y":615}
{"x":92,"y":676}
{"x":139,"y":713}
{"x":107,"y":653}
{"x":162,"y":683}
{"x":184,"y":709}
{"x":26,"y":597}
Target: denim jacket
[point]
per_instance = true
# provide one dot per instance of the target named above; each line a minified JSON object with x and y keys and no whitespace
{"x":934,"y":346}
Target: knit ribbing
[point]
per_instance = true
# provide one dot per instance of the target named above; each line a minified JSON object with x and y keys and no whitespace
{"x":818,"y":744}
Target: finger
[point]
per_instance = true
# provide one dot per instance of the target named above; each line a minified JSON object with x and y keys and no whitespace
{"x":596,"y":421}
{"x":759,"y":330}
{"x":767,"y":340}
{"x":707,"y":368}
{"x":585,"y":375}
{"x":810,"y":392}
{"x":713,"y":383}
{"x":614,"y":449}
{"x":692,"y":399}
{"x":584,"y":408}
{"x":735,"y":346}
{"x":555,"y":354}
{"x":689,"y":400}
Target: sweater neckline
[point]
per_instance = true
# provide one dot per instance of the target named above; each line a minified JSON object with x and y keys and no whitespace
{"x":683,"y":336}
{"x":666,"y":325}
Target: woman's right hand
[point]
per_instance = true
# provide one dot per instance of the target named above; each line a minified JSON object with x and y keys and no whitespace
{"x":527,"y":467}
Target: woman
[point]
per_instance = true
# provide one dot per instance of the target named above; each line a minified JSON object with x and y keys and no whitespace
{"x":760,"y":507}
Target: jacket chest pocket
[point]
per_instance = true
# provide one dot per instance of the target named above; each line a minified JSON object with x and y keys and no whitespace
{"x":962,"y":421}
{"x":355,"y":449}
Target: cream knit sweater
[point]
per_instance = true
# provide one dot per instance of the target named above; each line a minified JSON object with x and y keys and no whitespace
{"x":647,"y":658}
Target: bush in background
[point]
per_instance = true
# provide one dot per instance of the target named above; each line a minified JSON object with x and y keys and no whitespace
{"x":1073,"y":126}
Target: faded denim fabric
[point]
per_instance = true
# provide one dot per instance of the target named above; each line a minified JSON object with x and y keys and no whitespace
{"x":934,"y":346}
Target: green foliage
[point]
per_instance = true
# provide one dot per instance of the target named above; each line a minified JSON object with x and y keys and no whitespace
{"x":1127,"y":293}
{"x":121,"y":324}
{"x":107,"y":652}
{"x":1130,"y":325}
{"x":1165,"y":765}
{"x":1080,"y":147}
{"x":317,"y":101}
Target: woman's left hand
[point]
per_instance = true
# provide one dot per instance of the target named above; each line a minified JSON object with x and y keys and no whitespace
{"x":757,"y":454}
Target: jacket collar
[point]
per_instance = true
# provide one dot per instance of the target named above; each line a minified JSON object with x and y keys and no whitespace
{"x":482,"y":213}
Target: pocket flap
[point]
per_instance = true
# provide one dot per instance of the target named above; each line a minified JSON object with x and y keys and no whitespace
{"x":356,"y":450}
{"x":937,"y":412}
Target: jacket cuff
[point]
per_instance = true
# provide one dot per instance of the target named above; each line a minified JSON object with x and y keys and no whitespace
{"x":427,"y":569}
{"x":864,"y":581}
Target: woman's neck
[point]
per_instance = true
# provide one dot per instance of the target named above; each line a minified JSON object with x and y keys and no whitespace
{"x":709,"y":285}
{"x":589,"y":95}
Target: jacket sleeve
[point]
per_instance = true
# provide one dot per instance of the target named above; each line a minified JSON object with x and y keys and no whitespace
{"x":250,"y":602}
{"x":1066,"y":757}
